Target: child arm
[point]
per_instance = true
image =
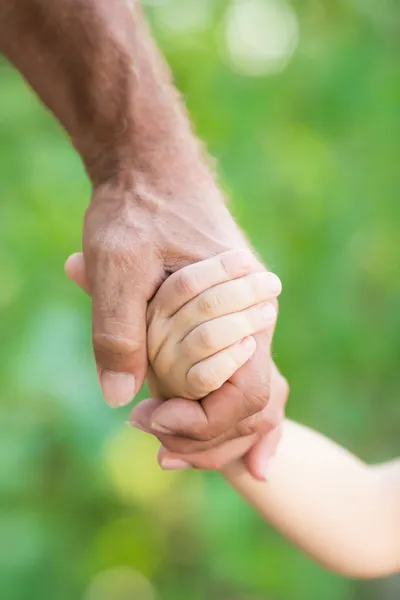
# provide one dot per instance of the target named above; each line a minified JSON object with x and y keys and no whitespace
{"x":343,"y":513}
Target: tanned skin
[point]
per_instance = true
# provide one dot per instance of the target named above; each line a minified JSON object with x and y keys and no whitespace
{"x":155,"y":208}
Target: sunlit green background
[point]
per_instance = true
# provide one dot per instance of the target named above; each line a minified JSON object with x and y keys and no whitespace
{"x":300,"y":105}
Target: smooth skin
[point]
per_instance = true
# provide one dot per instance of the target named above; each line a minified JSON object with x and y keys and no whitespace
{"x":155,"y":206}
{"x":199,"y":332}
{"x":342,"y":512}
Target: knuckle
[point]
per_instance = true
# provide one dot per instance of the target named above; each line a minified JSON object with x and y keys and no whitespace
{"x":201,"y":380}
{"x":225,"y":261}
{"x":257,"y":402}
{"x":106,"y":344}
{"x":205,"y":337}
{"x":259,"y":423}
{"x":239,"y":260}
{"x":232,"y":361}
{"x":248,"y":426}
{"x":186,"y":283}
{"x":209,"y":303}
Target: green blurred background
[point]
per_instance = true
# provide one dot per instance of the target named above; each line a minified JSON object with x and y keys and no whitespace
{"x":300,"y":104}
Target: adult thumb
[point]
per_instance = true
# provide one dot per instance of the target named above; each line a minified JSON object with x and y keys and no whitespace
{"x":75,"y":269}
{"x":119,"y":304}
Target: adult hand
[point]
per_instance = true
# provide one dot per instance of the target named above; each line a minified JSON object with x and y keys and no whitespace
{"x":223,"y":456}
{"x":156,"y":206}
{"x":132,"y":241}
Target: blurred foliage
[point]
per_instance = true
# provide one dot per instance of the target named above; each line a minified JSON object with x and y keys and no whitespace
{"x":305,"y":127}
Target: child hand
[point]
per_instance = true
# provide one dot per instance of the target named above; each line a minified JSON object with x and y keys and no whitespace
{"x":201,"y":323}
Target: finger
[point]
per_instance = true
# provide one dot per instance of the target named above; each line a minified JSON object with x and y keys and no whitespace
{"x":188,"y":422}
{"x":121,"y":286}
{"x":221,"y":300}
{"x":257,"y":459}
{"x":263,"y":433}
{"x":209,"y":460}
{"x":217,"y":334}
{"x":185,"y":426}
{"x":227,"y":298}
{"x":76,"y":271}
{"x":210,"y":374}
{"x":140,"y":416}
{"x":245,"y":394}
{"x":143,"y":416}
{"x":187,"y":283}
{"x":259,"y":423}
{"x":145,"y":413}
{"x":170,"y":462}
{"x":212,"y":337}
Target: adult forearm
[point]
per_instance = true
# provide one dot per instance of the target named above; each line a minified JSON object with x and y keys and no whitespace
{"x":94,"y":64}
{"x":155,"y":206}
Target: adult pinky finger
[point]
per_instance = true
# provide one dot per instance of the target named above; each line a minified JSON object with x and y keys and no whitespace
{"x":211,"y":373}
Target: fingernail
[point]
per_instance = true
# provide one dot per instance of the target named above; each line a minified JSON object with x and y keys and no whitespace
{"x":274,"y":283}
{"x":174,"y":464}
{"x":248,"y":343}
{"x":118,"y":388}
{"x":268,"y":311}
{"x":161,"y":429}
{"x":136,"y":425}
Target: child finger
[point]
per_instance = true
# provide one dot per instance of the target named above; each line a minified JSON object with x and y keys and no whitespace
{"x":189,"y":282}
{"x":217,"y":334}
{"x":210,"y":374}
{"x":226,"y":298}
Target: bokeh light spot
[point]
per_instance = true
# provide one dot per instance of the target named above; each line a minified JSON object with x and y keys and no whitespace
{"x":121,"y":583}
{"x":130,"y":458}
{"x":184,"y":16}
{"x":260,"y":36}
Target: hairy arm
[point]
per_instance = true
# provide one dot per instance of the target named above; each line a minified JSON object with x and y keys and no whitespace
{"x":94,"y":64}
{"x":343,"y":513}
{"x":155,"y":207}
